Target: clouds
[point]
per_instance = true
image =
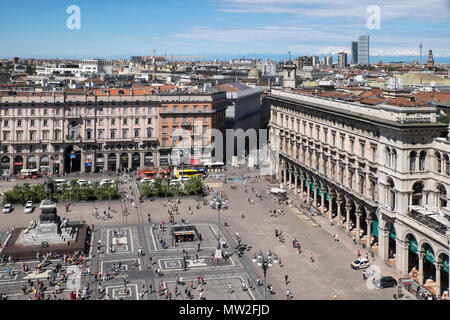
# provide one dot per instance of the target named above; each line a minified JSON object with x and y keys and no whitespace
{"x":412,"y":9}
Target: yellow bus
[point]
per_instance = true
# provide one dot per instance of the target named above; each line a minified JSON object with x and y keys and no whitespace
{"x":189,"y":173}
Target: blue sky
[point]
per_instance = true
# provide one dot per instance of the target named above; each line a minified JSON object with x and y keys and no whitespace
{"x":30,"y":28}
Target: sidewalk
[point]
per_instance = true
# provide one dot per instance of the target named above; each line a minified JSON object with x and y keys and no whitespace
{"x":321,"y":221}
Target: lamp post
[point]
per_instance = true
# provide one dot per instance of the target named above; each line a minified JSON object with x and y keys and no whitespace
{"x":265,"y":262}
{"x":219,"y":245}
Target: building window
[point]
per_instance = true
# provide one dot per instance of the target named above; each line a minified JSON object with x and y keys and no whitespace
{"x":195,"y":109}
{"x":374,"y":154}
{"x":113,"y":110}
{"x":136,"y":121}
{"x":164,"y":130}
{"x":342,"y":142}
{"x":136,"y":110}
{"x":391,"y":194}
{"x":113,"y":134}
{"x":45,"y":123}
{"x":100,"y":122}
{"x":362,"y":147}
{"x":125,"y":110}
{"x":44,"y":148}
{"x":438,"y":162}
{"x":32,"y":112}
{"x":19,"y":112}
{"x":164,"y":142}
{"x":175,"y":108}
{"x":125,"y":121}
{"x":6,"y":123}
{"x":124,"y":134}
{"x":149,"y":121}
{"x":89,"y":134}
{"x":175,"y":120}
{"x":352,"y":146}
{"x":149,"y":132}
{"x":333,"y":139}
{"x":422,"y":158}
{"x":412,"y":161}
{"x":32,"y":123}
{"x":164,"y":120}
{"x":185,"y":109}
{"x":101,"y":134}
{"x":136,"y":133}
{"x":113,"y":122}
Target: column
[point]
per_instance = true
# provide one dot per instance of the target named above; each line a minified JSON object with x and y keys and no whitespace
{"x":308,"y":187}
{"x":289,"y":171}
{"x":339,"y":208}
{"x":118,"y":160}
{"x":279,"y":171}
{"x":358,"y":223}
{"x":302,"y":184}
{"x":130,"y":159}
{"x":322,"y":198}
{"x":421,"y":255}
{"x":284,"y":175}
{"x":347,"y":217}
{"x":383,"y":242}
{"x":330,"y":204}
{"x":141,"y":161}
{"x":82,"y":162}
{"x":316,"y":191}
{"x":295,"y":180}
{"x":11,"y":164}
{"x":404,"y":249}
{"x":438,"y":266}
{"x":369,"y":221}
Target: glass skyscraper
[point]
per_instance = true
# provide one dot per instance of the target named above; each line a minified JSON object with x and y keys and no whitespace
{"x":354,"y":53}
{"x":363,"y":50}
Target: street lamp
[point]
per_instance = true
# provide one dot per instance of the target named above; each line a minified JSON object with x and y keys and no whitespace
{"x":265,"y":262}
{"x":218,"y":204}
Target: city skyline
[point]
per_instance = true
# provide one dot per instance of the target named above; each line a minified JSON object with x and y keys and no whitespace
{"x":223,"y":27}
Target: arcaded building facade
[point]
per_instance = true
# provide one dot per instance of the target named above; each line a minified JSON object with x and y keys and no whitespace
{"x":66,"y":133}
{"x":381,"y":172}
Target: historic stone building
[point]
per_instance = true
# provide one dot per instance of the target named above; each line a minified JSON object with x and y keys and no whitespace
{"x":381,"y":172}
{"x":65,"y":133}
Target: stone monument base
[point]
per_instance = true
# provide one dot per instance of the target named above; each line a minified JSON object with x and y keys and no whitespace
{"x":24,"y":246}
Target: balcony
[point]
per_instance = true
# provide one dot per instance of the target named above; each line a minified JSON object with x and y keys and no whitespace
{"x":430,"y":222}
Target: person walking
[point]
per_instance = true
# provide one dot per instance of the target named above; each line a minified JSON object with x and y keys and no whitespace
{"x":230,"y":288}
{"x":286,"y":279}
{"x":311,"y":258}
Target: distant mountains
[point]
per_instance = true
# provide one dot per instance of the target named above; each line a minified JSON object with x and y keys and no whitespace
{"x":226,"y":57}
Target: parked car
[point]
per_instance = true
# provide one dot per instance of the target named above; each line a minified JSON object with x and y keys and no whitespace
{"x":7,"y":208}
{"x":360,"y":263}
{"x":174,"y":182}
{"x":29,"y":207}
{"x":385,"y":282}
{"x":84,"y":182}
{"x":147,"y":180}
{"x":106,"y":182}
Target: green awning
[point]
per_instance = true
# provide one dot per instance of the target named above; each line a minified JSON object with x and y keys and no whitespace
{"x":445,"y":265}
{"x":413,"y":245}
{"x":392,"y":232}
{"x":429,"y":254}
{"x":375,"y":228}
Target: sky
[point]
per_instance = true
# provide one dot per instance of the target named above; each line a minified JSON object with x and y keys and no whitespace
{"x":198,"y":28}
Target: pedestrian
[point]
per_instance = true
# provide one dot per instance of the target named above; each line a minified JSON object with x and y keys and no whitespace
{"x":230,"y":289}
{"x":288,"y":294}
{"x":286,"y":279}
{"x":364,"y":275}
{"x":334,"y":296}
{"x":311,"y":257}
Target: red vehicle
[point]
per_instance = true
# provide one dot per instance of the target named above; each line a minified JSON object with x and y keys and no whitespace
{"x":147,"y":173}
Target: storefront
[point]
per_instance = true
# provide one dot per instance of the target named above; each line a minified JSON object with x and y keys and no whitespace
{"x":112,"y":162}
{"x":4,"y":166}
{"x":135,"y":161}
{"x":100,"y":163}
{"x":148,"y":160}
{"x":44,"y":165}
{"x":18,"y":164}
{"x":31,"y":162}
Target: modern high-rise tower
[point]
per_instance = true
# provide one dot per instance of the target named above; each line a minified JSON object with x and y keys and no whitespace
{"x":354,"y":52}
{"x":363,"y":50}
